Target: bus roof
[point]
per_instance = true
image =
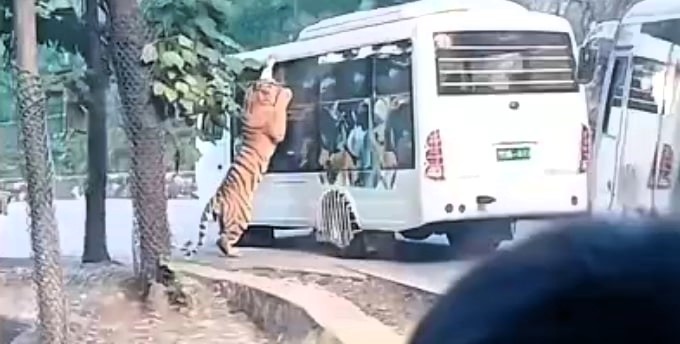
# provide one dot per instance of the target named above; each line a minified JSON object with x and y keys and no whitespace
{"x":380,"y":31}
{"x":652,"y":10}
{"x":361,"y":19}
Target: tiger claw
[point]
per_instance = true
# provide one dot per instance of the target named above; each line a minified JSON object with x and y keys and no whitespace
{"x":234,"y":253}
{"x":226,"y":248}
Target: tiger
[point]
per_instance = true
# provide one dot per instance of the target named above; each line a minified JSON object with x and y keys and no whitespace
{"x":264,"y":127}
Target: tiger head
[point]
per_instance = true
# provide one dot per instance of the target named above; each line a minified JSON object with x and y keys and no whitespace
{"x":267,"y":107}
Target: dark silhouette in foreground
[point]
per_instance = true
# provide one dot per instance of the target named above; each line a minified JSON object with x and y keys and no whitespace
{"x":585,"y":283}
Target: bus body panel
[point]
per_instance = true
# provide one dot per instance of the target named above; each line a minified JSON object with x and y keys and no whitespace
{"x":548,"y":183}
{"x":286,"y":200}
{"x":213,"y":163}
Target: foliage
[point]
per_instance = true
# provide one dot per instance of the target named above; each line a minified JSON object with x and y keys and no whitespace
{"x":193,"y":70}
{"x":58,"y":20}
{"x":285,"y":18}
{"x":62,"y":73}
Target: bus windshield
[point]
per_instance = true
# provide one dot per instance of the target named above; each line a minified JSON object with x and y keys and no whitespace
{"x":489,"y":62}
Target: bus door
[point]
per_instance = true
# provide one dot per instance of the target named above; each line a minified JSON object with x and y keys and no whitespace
{"x":615,"y":101}
{"x":213,"y":143}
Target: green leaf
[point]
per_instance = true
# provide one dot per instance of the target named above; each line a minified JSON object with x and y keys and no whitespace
{"x":149,"y":53}
{"x":234,"y":64}
{"x":184,"y":41}
{"x":182,"y":87}
{"x":192,"y":96}
{"x":170,"y":94}
{"x":172,"y":74}
{"x":171,"y":58}
{"x":187,"y":105}
{"x":209,"y":27}
{"x":211,"y":54}
{"x":189,"y":57}
{"x":221,"y":6}
{"x":158,"y":88}
{"x":189,"y":79}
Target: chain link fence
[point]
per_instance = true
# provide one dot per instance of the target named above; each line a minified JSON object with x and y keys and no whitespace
{"x":44,"y":234}
{"x":151,"y":235}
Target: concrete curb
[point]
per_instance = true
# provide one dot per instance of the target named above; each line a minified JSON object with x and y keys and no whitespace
{"x":28,"y":336}
{"x":293,"y":312}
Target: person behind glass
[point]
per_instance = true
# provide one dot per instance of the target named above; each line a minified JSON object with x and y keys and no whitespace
{"x":587,"y":283}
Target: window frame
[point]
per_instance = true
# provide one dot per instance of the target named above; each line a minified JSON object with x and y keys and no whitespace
{"x":486,"y":42}
{"x":318,"y":102}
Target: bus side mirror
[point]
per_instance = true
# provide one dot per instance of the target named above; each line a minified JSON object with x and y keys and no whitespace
{"x":587,"y":62}
{"x":208,"y":130}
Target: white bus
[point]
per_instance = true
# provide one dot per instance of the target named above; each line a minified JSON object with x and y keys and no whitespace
{"x":454,"y":117}
{"x":638,"y":127}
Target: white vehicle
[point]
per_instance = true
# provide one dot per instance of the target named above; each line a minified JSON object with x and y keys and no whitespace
{"x":638,"y":127}
{"x":453,"y":117}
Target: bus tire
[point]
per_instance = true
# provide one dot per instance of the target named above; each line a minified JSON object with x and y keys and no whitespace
{"x":257,"y":236}
{"x":338,"y":225}
{"x":356,"y":248}
{"x":478,"y":238}
{"x":416,"y":233}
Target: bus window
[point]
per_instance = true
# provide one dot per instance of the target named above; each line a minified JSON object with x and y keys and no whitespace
{"x":488,"y":62}
{"x":615,"y":92}
{"x":298,"y":151}
{"x":344,"y":111}
{"x":393,"y":109}
{"x":646,"y":85}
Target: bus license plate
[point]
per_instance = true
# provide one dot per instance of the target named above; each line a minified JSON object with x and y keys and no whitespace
{"x":514,"y":153}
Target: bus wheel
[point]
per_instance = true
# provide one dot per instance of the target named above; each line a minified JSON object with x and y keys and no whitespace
{"x":257,"y":236}
{"x":478,"y":238}
{"x":416,"y":234}
{"x":337,"y":225}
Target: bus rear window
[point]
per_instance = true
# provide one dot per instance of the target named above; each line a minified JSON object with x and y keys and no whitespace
{"x":489,"y":62}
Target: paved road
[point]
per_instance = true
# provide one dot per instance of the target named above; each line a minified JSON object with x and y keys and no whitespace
{"x":427,"y":265}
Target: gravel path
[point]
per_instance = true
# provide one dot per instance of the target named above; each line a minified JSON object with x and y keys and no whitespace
{"x":394,"y":305}
{"x":103,"y":311}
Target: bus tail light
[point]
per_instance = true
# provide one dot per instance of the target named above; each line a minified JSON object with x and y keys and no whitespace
{"x":434,"y":159}
{"x":661,"y":179}
{"x":584,"y":158}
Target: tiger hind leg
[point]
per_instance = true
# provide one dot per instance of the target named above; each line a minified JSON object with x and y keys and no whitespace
{"x":229,"y":236}
{"x":228,"y":246}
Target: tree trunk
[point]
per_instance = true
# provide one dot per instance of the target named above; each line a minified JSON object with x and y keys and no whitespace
{"x":95,"y":249}
{"x":146,"y":135}
{"x":31,"y":101}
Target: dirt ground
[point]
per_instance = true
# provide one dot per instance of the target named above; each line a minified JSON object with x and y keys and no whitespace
{"x":394,"y":305}
{"x":102,"y":310}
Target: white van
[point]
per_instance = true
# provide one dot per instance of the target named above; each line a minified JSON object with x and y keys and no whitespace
{"x":638,"y":125}
{"x":453,"y":117}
